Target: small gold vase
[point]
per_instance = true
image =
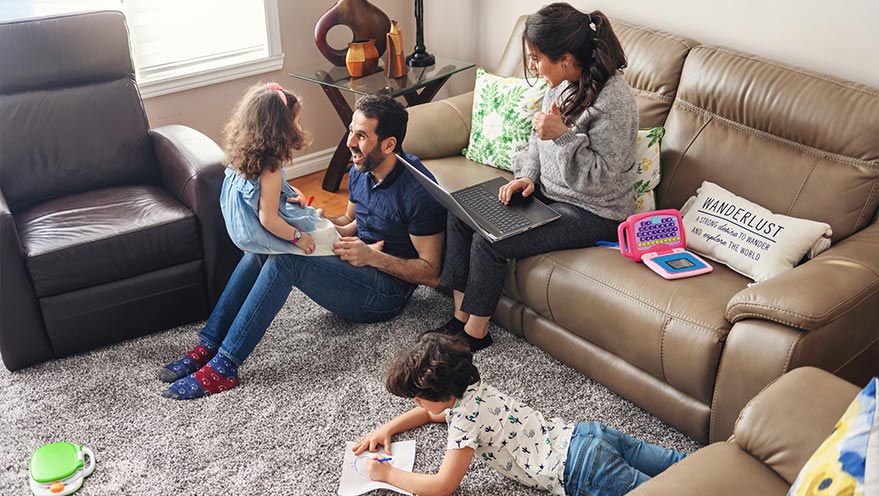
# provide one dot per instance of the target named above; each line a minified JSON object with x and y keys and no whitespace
{"x":362,"y":58}
{"x":395,"y":65}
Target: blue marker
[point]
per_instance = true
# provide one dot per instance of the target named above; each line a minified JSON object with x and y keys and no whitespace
{"x":384,"y":459}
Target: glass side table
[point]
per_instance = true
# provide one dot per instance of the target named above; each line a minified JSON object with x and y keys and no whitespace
{"x":420,"y":85}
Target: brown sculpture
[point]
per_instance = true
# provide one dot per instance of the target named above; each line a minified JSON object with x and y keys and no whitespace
{"x":365,"y":20}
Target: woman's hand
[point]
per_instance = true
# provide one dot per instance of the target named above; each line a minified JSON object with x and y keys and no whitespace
{"x":378,"y":471}
{"x":523,"y":184}
{"x":549,"y":126}
{"x":379,"y":437}
{"x":306,"y":242}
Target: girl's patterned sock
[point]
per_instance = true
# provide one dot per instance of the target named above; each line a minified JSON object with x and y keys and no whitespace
{"x":218,"y":375}
{"x":193,"y":361}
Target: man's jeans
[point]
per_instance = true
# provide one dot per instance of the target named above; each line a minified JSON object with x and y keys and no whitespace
{"x":603,"y":461}
{"x":261,"y":283}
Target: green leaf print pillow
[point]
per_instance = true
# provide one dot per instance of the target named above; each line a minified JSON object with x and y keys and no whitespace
{"x":647,"y":158}
{"x":501,"y":123}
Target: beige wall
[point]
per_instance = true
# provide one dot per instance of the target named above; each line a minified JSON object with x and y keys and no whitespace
{"x":207,"y":108}
{"x":837,"y":38}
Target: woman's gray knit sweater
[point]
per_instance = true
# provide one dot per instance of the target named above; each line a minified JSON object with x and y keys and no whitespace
{"x":592,"y":165}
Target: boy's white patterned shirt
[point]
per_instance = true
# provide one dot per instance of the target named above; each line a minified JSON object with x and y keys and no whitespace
{"x":515,"y":439}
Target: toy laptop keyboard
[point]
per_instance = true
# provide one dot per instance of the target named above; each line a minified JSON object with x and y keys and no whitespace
{"x":657,"y":238}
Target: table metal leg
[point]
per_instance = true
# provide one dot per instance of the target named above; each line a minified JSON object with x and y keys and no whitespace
{"x":339,"y":165}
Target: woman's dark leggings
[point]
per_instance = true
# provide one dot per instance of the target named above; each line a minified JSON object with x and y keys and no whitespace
{"x":477,"y":267}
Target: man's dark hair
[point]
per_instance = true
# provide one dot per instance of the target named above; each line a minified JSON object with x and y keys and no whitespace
{"x":439,"y":367}
{"x":391,"y":115}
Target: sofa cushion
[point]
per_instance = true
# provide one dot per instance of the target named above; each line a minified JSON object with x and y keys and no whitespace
{"x":501,"y":119}
{"x":106,"y":235}
{"x":839,"y":465}
{"x":655,"y":62}
{"x":71,"y":116}
{"x":746,"y":237}
{"x":798,"y":143}
{"x":673,"y":330}
{"x":784,"y":424}
{"x":720,"y":469}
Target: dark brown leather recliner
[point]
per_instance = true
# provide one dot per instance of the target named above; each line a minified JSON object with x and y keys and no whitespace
{"x":108,"y":230}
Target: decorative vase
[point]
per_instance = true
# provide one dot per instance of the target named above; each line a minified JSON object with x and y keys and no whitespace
{"x":365,"y":20}
{"x":395,"y":65}
{"x":362,"y":58}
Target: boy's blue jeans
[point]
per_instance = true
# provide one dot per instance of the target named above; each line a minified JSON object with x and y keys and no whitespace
{"x":261,"y":283}
{"x":603,"y":461}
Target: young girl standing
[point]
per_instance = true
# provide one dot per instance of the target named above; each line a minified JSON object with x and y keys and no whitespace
{"x":264,"y":215}
{"x":580,"y":161}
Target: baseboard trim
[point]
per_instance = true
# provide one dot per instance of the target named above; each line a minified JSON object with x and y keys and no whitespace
{"x":308,"y":164}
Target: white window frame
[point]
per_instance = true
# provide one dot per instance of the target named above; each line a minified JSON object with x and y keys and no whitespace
{"x":273,"y":62}
{"x":186,"y":76}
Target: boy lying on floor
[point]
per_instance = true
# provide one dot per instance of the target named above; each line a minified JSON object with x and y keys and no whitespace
{"x":548,"y":454}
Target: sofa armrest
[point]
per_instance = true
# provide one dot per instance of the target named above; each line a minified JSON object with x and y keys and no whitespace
{"x":821,"y":290}
{"x":23,"y":338}
{"x":784,"y":424}
{"x":439,"y":129}
{"x":192,"y":168}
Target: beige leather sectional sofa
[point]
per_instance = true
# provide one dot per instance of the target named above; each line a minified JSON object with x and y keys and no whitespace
{"x":774,"y":437}
{"x":694,"y":351}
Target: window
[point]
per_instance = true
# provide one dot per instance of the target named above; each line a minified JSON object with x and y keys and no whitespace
{"x":179,"y":45}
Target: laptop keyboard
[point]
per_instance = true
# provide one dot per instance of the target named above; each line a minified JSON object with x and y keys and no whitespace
{"x":479,"y":200}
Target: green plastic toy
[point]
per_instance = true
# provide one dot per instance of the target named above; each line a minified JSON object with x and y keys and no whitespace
{"x":58,"y":469}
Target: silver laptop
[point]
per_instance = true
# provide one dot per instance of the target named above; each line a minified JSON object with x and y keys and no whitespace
{"x":479,"y":207}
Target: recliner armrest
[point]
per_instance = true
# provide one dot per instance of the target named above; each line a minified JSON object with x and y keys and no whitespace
{"x":820,"y":290}
{"x":192,"y":168}
{"x":23,"y":339}
{"x":784,"y":424}
{"x":439,"y":129}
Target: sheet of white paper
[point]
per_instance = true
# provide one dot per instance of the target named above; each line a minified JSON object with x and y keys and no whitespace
{"x":355,"y":479}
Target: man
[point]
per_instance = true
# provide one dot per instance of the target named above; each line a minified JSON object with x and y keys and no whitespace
{"x":392,"y":240}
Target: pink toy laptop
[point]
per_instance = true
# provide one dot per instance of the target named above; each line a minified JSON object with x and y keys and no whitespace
{"x":657,"y":238}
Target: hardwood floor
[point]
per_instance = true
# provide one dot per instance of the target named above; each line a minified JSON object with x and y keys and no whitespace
{"x":334,"y":204}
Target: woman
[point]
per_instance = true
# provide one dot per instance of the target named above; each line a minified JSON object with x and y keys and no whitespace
{"x":580,"y":161}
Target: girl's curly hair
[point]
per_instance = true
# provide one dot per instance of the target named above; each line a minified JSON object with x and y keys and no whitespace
{"x":263,"y":131}
{"x":439,"y":367}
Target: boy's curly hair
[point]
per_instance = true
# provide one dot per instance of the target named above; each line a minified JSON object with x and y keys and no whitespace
{"x":262,"y":131}
{"x":437,"y":368}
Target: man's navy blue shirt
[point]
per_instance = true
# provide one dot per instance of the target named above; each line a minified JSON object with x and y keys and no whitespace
{"x":395,"y":208}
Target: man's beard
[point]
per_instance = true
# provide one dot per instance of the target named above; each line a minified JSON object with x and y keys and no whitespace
{"x":371,"y":161}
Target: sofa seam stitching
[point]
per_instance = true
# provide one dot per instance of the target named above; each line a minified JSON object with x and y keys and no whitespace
{"x":871,"y":343}
{"x":460,"y":115}
{"x":836,"y":157}
{"x":803,"y":185}
{"x":677,"y":164}
{"x":654,"y":94}
{"x":662,"y":348}
{"x":864,"y":206}
{"x":546,"y":293}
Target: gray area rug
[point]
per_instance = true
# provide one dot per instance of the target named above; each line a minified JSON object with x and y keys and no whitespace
{"x":313,"y":383}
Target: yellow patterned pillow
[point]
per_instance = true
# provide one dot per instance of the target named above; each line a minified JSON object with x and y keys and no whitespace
{"x":839,"y":465}
{"x":647,"y":156}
